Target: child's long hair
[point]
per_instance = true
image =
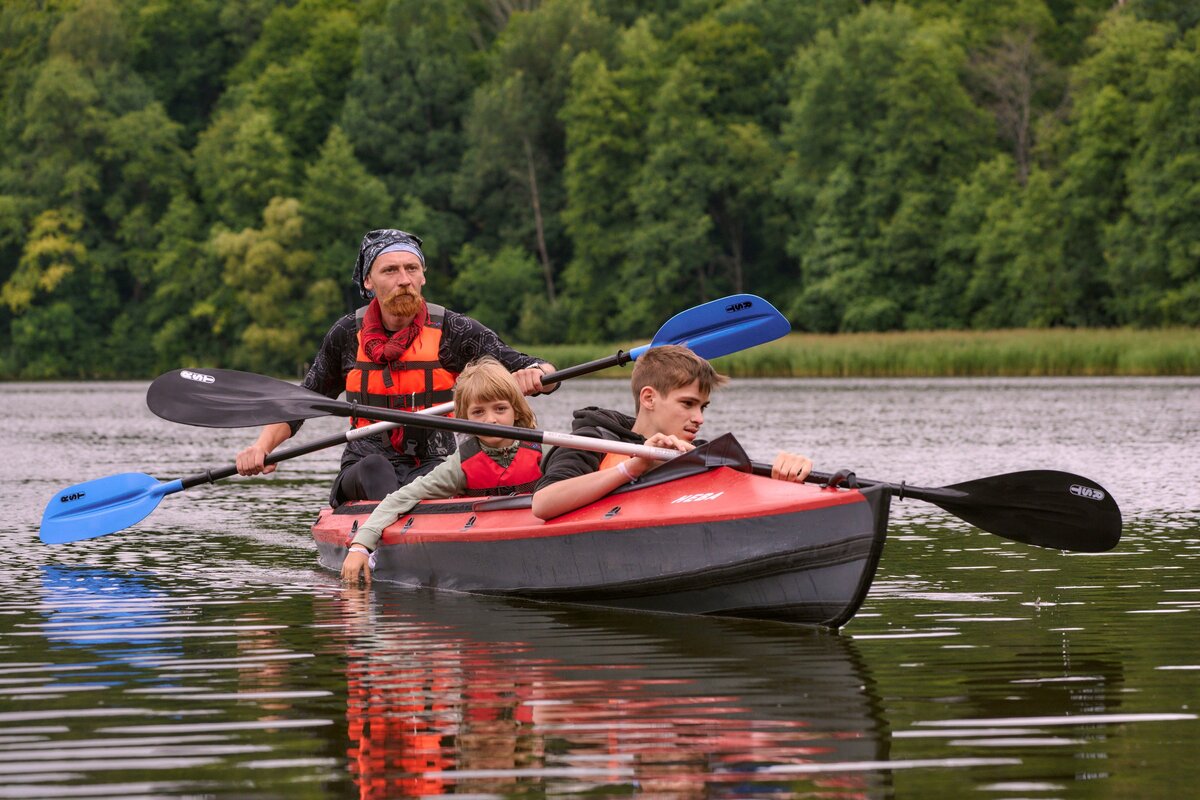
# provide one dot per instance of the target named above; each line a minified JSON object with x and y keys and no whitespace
{"x":485,"y":380}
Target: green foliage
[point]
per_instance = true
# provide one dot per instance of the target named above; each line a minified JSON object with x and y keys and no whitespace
{"x":241,"y":163}
{"x":880,"y":128}
{"x":190,"y":312}
{"x":273,"y":280}
{"x":339,"y":193}
{"x":187,"y":183}
{"x":52,"y":254}
{"x":409,"y":94}
{"x":515,"y":138}
{"x":183,"y":52}
{"x":491,"y":288}
{"x":62,"y":298}
{"x":604,"y":150}
{"x":1155,"y":244}
{"x":299,"y":67}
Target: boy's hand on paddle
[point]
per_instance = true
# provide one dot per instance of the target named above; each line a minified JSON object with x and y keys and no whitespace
{"x":355,"y":567}
{"x":640,"y":466}
{"x":791,"y":467}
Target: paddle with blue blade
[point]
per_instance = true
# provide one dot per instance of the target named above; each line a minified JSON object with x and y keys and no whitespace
{"x":106,"y":505}
{"x":711,"y":330}
{"x":1046,"y":508}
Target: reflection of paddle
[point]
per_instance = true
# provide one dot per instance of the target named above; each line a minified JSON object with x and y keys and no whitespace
{"x":1045,"y":508}
{"x":105,"y":505}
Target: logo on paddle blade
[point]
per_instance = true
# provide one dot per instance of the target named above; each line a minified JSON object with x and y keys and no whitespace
{"x":67,"y":498}
{"x":735,"y":307}
{"x":199,"y":377}
{"x":1087,"y":492}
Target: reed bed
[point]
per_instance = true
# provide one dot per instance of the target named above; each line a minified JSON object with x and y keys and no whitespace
{"x":1001,"y":353}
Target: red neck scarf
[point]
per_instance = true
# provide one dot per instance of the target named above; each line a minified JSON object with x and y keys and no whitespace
{"x":384,"y":349}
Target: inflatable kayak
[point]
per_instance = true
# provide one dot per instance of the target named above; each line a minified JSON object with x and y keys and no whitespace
{"x":698,"y":536}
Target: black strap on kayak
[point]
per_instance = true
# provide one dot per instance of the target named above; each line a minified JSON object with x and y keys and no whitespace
{"x":843,"y":477}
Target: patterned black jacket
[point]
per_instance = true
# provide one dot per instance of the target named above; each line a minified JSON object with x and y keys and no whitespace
{"x":463,"y":340}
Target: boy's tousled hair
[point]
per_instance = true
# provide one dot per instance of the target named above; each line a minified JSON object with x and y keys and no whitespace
{"x":485,"y":380}
{"x":670,"y":366}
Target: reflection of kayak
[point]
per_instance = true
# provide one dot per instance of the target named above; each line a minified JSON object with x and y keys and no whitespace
{"x":694,"y":540}
{"x":633,"y":702}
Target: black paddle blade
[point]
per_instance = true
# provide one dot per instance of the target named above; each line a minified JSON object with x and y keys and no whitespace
{"x":1040,"y":507}
{"x":225,"y":398}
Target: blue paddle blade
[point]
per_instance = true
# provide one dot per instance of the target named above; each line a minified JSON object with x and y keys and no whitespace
{"x":105,"y":505}
{"x":721,"y":327}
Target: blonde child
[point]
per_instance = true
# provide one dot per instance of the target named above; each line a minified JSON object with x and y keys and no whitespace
{"x":484,"y":465}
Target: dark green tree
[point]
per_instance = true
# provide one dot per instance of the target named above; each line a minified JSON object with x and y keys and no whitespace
{"x":493,"y":288}
{"x":183,"y":51}
{"x":191,"y":314}
{"x":1109,"y":89}
{"x":880,"y":128}
{"x":299,"y":68}
{"x":241,"y":162}
{"x":516,"y":141}
{"x":604,"y":126}
{"x":273,"y":278}
{"x":340,"y":202}
{"x":1155,"y":246}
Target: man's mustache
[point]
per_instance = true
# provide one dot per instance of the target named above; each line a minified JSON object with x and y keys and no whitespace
{"x":402,"y":301}
{"x":402,"y":296}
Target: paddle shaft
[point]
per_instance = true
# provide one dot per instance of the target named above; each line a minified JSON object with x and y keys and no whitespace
{"x":1089,"y":529}
{"x":428,"y":419}
{"x":958,"y":502}
{"x":354,"y":434}
{"x":902,"y":490}
{"x":212,"y":475}
{"x":1042,"y":507}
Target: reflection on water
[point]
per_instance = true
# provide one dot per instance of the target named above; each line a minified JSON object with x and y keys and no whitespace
{"x":497,"y":694}
{"x":425,"y":694}
{"x":203,"y":654}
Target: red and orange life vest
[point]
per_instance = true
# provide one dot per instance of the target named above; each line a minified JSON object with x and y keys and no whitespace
{"x":416,"y":381}
{"x":486,"y":477}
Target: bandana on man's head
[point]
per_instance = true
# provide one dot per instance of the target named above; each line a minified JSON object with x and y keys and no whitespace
{"x":375,"y":244}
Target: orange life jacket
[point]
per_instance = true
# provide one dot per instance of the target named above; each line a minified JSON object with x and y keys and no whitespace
{"x":486,"y":477}
{"x":416,"y":381}
{"x":611,"y":460}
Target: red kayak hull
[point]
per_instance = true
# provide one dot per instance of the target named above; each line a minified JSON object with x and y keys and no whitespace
{"x":724,"y":543}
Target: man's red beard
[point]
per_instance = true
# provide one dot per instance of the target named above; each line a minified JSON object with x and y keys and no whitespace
{"x":402,"y":303}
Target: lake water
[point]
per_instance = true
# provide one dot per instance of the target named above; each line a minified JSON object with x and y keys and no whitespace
{"x":202,"y":653}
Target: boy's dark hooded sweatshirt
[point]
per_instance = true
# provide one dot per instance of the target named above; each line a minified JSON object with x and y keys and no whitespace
{"x":562,"y":463}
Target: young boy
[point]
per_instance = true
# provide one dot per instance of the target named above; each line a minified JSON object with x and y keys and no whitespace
{"x":671,"y":386}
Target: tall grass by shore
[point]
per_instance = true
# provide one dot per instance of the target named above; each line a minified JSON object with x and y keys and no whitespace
{"x":1002,"y":353}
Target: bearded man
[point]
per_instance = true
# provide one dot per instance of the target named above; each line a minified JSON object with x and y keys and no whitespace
{"x":398,"y":351}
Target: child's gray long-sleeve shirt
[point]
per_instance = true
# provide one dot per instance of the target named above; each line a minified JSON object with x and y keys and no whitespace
{"x":445,"y":480}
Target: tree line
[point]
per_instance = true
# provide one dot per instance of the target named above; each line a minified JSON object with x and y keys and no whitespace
{"x":187,"y":183}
